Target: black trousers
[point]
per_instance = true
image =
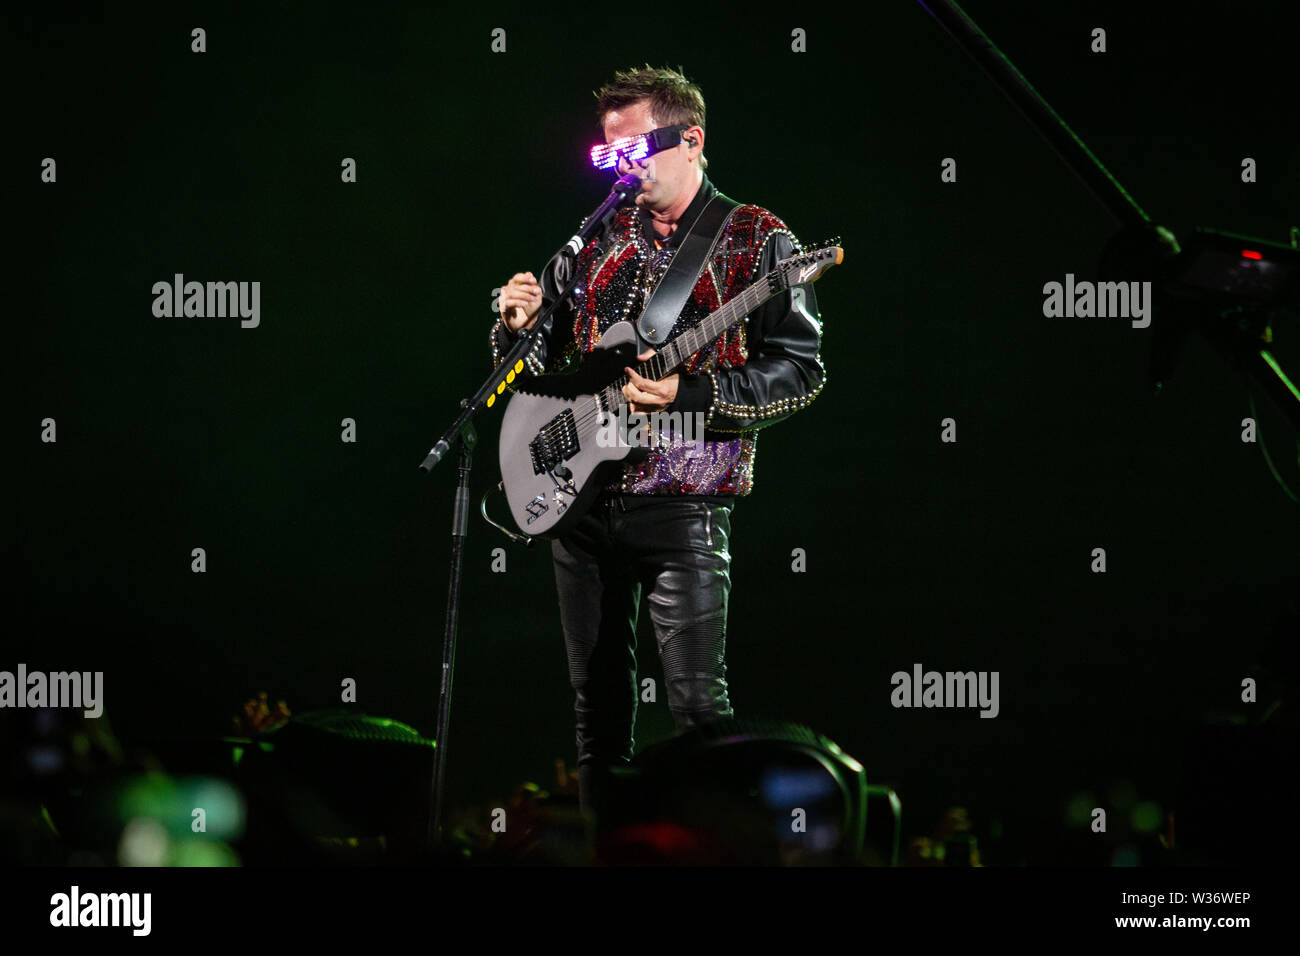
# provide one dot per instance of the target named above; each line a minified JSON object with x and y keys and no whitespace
{"x":676,"y":551}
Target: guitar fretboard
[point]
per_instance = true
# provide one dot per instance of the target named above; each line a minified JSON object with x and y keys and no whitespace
{"x":661,"y":364}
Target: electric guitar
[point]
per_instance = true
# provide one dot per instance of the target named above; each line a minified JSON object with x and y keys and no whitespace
{"x":562,"y":435}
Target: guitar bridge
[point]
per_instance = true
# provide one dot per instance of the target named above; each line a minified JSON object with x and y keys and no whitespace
{"x":555,"y":442}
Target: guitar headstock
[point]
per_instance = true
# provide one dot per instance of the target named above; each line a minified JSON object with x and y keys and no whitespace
{"x":809,"y":265}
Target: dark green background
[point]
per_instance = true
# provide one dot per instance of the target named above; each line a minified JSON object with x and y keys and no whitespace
{"x":329,"y":560}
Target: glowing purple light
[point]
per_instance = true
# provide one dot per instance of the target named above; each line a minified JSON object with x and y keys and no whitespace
{"x":632,"y":148}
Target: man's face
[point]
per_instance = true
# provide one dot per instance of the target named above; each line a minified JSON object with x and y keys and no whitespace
{"x":664,"y":175}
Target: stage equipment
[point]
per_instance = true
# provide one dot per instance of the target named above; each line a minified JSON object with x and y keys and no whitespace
{"x":1232,"y":289}
{"x":739,"y":791}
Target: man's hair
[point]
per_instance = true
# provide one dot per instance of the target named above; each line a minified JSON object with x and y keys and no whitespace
{"x":673,"y":98}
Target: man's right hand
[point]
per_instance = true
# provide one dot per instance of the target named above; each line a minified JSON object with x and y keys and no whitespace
{"x":520,"y":302}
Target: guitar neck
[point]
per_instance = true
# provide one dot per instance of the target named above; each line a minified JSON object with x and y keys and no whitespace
{"x":661,"y":364}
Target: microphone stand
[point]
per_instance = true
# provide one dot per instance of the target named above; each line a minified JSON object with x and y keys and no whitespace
{"x":462,"y":431}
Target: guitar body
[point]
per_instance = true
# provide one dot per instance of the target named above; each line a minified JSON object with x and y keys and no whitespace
{"x":550,"y":481}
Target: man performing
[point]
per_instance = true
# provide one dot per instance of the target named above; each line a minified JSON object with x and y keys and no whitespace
{"x":664,"y":525}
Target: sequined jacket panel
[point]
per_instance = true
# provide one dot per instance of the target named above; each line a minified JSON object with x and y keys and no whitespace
{"x":760,"y":371}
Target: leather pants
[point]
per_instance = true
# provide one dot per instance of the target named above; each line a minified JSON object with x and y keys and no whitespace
{"x":676,"y":550}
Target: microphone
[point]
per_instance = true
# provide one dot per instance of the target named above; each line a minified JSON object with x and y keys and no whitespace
{"x":625,"y":190}
{"x":627,"y":186}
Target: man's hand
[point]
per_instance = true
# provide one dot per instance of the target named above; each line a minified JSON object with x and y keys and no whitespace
{"x":521,"y":300}
{"x":643,"y":395}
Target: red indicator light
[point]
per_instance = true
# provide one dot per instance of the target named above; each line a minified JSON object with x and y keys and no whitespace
{"x":1250,"y":254}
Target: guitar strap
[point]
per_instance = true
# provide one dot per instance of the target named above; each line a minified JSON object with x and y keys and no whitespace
{"x":685,"y":269}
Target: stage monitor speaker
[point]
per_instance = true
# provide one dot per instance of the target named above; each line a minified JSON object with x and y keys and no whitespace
{"x":739,"y":791}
